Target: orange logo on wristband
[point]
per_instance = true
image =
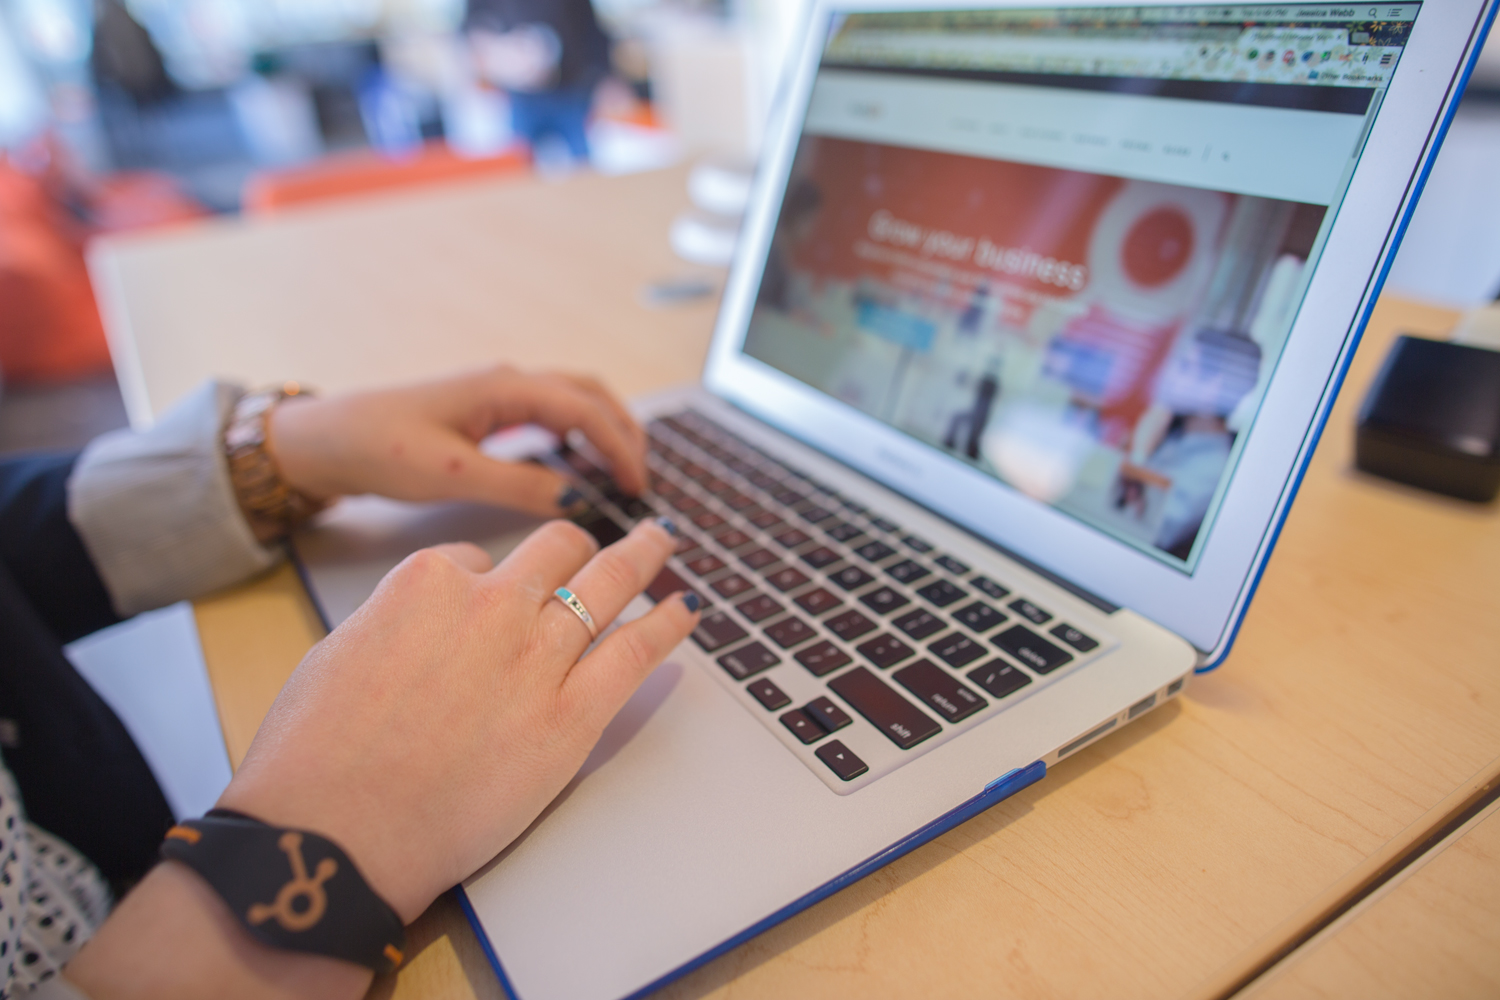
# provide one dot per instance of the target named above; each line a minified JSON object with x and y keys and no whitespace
{"x":288,"y":914}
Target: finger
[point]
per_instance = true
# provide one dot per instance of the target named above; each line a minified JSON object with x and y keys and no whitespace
{"x":622,"y":413}
{"x":545,"y":560}
{"x":600,"y":683}
{"x":526,"y":486}
{"x":471,"y":557}
{"x":611,"y":580}
{"x":561,"y":406}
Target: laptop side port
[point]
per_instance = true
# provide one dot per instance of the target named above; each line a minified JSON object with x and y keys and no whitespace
{"x":1144,"y":705}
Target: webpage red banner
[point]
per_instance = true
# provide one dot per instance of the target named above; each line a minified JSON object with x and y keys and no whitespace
{"x":1097,"y":342}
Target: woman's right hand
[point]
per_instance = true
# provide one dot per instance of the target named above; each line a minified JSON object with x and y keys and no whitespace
{"x":429,"y":730}
{"x":422,"y":735}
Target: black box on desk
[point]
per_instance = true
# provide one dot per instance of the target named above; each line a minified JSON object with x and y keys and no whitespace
{"x":1432,"y":419}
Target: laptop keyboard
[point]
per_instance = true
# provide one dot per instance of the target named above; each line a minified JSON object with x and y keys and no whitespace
{"x":794,"y":576}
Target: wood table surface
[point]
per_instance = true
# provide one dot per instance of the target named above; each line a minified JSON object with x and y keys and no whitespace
{"x":1433,"y":934}
{"x":1182,"y":856}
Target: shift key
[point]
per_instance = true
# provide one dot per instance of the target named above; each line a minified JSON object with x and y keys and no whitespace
{"x":887,"y":711}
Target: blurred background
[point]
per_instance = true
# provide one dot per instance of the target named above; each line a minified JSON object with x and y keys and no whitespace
{"x":125,"y":114}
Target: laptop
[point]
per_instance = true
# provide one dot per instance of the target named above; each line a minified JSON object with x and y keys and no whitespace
{"x":1035,"y":320}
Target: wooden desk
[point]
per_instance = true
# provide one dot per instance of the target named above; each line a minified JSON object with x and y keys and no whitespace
{"x":1433,"y":934}
{"x":1176,"y":858}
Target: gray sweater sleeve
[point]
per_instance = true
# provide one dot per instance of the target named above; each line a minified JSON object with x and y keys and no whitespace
{"x":156,"y":509}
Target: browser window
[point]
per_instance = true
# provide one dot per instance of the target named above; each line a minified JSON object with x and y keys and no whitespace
{"x":1066,"y":245}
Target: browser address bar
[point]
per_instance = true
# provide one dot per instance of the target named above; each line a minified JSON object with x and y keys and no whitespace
{"x":1262,"y":55}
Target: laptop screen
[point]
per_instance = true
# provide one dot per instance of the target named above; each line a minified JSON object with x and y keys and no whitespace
{"x":1066,"y":245}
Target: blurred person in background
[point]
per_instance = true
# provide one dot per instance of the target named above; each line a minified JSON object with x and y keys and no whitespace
{"x":549,"y":56}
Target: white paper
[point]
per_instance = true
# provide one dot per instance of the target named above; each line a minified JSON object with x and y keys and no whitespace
{"x":150,"y":670}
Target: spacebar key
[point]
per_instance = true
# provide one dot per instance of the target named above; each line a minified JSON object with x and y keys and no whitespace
{"x":890,"y":713}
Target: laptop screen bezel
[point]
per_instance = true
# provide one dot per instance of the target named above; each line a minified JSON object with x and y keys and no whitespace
{"x":1205,"y":605}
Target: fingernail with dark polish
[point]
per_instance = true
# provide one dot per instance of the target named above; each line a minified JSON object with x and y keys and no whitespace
{"x":667,"y":525}
{"x":569,"y":498}
{"x":691,"y":600}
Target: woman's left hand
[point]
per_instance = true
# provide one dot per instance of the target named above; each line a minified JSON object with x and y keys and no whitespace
{"x":421,"y":442}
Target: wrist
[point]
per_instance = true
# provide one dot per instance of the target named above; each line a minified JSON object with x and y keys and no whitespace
{"x":173,"y":937}
{"x":270,"y":501}
{"x":299,"y":439}
{"x":390,"y":868}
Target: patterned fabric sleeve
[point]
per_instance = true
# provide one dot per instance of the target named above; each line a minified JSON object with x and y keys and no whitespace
{"x":51,"y":900}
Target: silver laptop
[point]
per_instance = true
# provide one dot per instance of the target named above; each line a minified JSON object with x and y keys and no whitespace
{"x":1036,"y":318}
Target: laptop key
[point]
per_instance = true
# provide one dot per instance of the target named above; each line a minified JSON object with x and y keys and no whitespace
{"x":813,"y":514}
{"x":818,"y":600}
{"x":759,"y":608}
{"x":768,"y":694}
{"x":705,"y":564}
{"x":1026,"y":609}
{"x":764,"y":520}
{"x":884,"y":651}
{"x":907,"y":570}
{"x":919,"y":624}
{"x":733,"y":538}
{"x":1031,"y":649}
{"x":716,"y":630}
{"x":792,"y":537}
{"x":850,"y":577}
{"x":917,"y":544}
{"x":730,"y":585}
{"x":708,"y":520}
{"x":990,"y":587}
{"x":938,"y":690}
{"x":685,"y":502}
{"x":825,"y":713}
{"x":842,"y":531}
{"x":883,"y":600}
{"x":802,"y":726}
{"x":789,"y":578}
{"x":637,"y":509}
{"x":885,"y":525}
{"x":901,"y":721}
{"x":942,"y":593}
{"x":747,"y":661}
{"x":822,"y":659}
{"x":979,"y":616}
{"x":1075,"y":638}
{"x":957,"y":650}
{"x":758,"y":558}
{"x":666,"y":584}
{"x":952,"y":565}
{"x":840,"y":761}
{"x":1000,"y":678}
{"x":875,"y":551}
{"x":821,"y":556}
{"x":790,"y":632}
{"x":850,"y":625}
{"x":738,"y":501}
{"x":603,"y":527}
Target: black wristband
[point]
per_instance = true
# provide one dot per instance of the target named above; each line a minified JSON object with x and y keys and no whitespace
{"x":290,"y":888}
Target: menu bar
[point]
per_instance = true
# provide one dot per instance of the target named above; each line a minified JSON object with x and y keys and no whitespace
{"x":1294,"y":155}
